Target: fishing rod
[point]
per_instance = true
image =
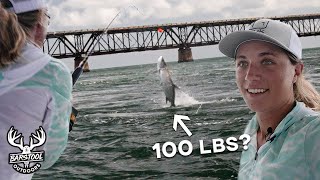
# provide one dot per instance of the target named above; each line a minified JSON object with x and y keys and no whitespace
{"x":78,"y":71}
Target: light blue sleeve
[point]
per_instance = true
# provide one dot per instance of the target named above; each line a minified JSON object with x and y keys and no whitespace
{"x":58,"y":113}
{"x":312,"y":148}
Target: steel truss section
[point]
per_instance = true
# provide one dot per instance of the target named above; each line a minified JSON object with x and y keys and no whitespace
{"x":163,"y":36}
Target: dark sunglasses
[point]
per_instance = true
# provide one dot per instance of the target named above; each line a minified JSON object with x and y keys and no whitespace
{"x":48,"y":16}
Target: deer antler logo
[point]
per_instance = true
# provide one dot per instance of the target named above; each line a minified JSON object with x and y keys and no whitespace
{"x":27,"y":155}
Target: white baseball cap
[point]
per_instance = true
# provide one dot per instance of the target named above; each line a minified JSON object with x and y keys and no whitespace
{"x":22,"y":6}
{"x":267,"y":30}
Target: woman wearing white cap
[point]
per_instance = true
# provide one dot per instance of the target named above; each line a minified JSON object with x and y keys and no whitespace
{"x":285,"y":130}
{"x":35,"y":92}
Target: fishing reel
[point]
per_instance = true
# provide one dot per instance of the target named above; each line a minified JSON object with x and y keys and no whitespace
{"x":73,"y":117}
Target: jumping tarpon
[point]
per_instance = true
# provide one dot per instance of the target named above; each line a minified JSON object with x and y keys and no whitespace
{"x":166,"y":81}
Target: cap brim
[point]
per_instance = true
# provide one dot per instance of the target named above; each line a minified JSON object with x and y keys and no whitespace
{"x":229,"y":44}
{"x":26,"y":6}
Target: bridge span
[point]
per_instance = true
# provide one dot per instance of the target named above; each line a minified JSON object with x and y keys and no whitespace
{"x":75,"y":44}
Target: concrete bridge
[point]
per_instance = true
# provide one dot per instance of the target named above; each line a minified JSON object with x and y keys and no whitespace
{"x":75,"y":44}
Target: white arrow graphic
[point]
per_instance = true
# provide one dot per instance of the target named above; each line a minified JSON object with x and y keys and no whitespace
{"x":178,"y":119}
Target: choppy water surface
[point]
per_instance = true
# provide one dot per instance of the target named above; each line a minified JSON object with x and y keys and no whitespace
{"x":123,"y":114}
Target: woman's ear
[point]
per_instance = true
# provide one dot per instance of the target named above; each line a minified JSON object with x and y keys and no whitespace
{"x":297,"y":71}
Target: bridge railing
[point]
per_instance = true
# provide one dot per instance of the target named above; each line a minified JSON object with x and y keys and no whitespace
{"x":162,"y":36}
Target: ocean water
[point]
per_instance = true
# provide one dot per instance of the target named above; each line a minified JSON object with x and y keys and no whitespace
{"x":123,"y":114}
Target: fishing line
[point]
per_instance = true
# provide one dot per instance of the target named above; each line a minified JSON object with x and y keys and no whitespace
{"x":199,"y":108}
{"x":127,"y":35}
{"x":78,"y":71}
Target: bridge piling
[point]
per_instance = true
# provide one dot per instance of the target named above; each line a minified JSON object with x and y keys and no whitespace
{"x":185,"y":54}
{"x":77,"y":61}
{"x":72,"y":44}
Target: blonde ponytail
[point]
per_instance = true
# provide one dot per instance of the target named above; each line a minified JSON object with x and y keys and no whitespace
{"x":303,"y":90}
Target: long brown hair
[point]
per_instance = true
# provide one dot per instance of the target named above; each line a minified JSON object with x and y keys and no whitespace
{"x":15,"y":29}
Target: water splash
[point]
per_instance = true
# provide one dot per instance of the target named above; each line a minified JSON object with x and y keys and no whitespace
{"x":184,"y":99}
{"x":227,"y":99}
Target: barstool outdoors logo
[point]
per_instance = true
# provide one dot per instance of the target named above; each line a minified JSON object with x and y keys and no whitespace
{"x":26,"y":161}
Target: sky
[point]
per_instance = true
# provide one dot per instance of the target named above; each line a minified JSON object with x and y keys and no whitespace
{"x":92,"y":14}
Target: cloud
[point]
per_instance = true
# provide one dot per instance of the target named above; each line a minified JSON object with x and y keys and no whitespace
{"x":84,"y":14}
